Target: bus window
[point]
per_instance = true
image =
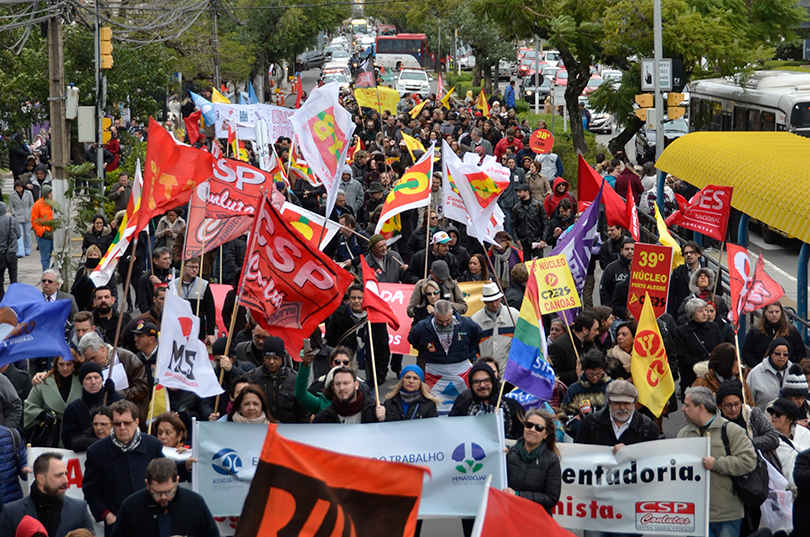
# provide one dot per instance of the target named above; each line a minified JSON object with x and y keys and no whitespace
{"x":754,"y":121}
{"x":695,"y":116}
{"x":800,"y":116}
{"x":716,"y":113}
{"x":768,"y":121}
{"x":740,"y":118}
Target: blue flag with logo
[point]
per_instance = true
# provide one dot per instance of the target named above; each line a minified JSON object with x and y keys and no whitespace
{"x":205,"y":106}
{"x":30,"y":327}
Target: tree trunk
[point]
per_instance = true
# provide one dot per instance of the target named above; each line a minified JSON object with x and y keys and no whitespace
{"x":476,"y":75}
{"x":488,"y":79}
{"x":620,"y":141}
{"x":578,"y":76}
{"x":260,"y":80}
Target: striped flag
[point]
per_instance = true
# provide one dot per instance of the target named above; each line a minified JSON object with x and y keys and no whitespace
{"x":105,"y":269}
{"x":410,"y":192}
{"x":309,"y":224}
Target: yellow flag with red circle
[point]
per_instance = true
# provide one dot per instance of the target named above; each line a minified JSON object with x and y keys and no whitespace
{"x":410,"y":192}
{"x":649,"y":366}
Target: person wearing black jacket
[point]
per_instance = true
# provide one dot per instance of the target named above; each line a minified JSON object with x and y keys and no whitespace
{"x":617,"y":271}
{"x":439,"y":250}
{"x":529,"y":223}
{"x":561,"y":352}
{"x":235,"y":256}
{"x":682,"y":275}
{"x":533,"y":462}
{"x":695,"y":340}
{"x":484,"y":390}
{"x":350,"y":315}
{"x":410,"y":398}
{"x":461,"y":253}
{"x":159,"y":276}
{"x":560,"y":220}
{"x":309,"y":195}
{"x":612,"y":247}
{"x":77,"y":419}
{"x":772,"y":324}
{"x":277,"y":381}
{"x":599,"y":428}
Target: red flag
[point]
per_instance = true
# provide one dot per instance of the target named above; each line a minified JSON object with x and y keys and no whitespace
{"x":302,"y":490}
{"x":203,"y":233}
{"x":193,"y":126}
{"x":588,"y":185}
{"x":171,"y":171}
{"x":507,"y":515}
{"x":632,"y":214}
{"x":299,"y":92}
{"x":707,"y":212}
{"x":379,"y":311}
{"x":236,"y":187}
{"x":289,"y":286}
{"x":749,"y":291}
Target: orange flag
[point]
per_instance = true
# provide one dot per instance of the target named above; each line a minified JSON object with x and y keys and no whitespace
{"x":305,"y":491}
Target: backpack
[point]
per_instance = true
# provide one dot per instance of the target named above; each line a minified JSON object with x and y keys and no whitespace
{"x":752,"y":488}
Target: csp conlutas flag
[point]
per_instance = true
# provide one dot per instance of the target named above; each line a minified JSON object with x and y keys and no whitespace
{"x":182,"y":358}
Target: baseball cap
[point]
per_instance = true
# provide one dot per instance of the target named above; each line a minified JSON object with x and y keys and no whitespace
{"x":145,"y":327}
{"x":440,"y":237}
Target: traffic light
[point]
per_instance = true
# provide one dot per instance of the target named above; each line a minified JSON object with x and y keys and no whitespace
{"x":106,"y":135}
{"x":641,"y":113}
{"x":105,"y":37}
{"x":645,"y":100}
{"x":675,"y":112}
{"x":674,"y":99}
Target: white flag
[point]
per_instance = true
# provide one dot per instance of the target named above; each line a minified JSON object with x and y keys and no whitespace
{"x":182,"y":358}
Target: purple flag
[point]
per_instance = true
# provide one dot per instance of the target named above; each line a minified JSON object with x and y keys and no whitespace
{"x":576,"y":245}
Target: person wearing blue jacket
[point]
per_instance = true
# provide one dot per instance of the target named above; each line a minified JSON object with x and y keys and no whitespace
{"x":12,"y":464}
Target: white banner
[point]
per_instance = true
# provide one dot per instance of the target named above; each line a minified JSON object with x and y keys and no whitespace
{"x":460,"y":453}
{"x":656,"y":487}
{"x":182,"y":358}
{"x":247,"y":116}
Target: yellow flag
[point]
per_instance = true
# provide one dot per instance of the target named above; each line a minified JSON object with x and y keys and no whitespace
{"x":160,"y":403}
{"x":413,"y":144}
{"x":446,"y":99}
{"x":666,"y":239}
{"x":379,"y":98}
{"x":483,"y":104}
{"x":217,"y":97}
{"x":649,"y":366}
{"x":418,"y":108}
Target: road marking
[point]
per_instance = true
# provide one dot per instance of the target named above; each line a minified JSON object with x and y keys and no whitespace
{"x":780,"y":271}
{"x":762,"y":245}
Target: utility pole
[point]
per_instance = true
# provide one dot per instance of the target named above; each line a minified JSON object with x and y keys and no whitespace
{"x":439,"y":40}
{"x":99,"y":107}
{"x":659,"y":99}
{"x":215,"y":44}
{"x":536,"y":74}
{"x":60,"y":135}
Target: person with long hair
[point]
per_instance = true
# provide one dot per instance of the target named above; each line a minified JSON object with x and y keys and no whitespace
{"x":721,"y":366}
{"x":620,"y":354}
{"x":410,"y":398}
{"x":533,"y":462}
{"x":250,"y":406}
{"x":60,"y":387}
{"x":477,"y":270}
{"x":170,"y":430}
{"x":772,"y":324}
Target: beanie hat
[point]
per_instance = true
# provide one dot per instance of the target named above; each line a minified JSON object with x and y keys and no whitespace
{"x":273,"y":345}
{"x":414,"y":369}
{"x":87,"y":368}
{"x":46,"y":190}
{"x":795,"y":383}
{"x":729,"y":387}
{"x":775,"y":342}
{"x":218,"y":348}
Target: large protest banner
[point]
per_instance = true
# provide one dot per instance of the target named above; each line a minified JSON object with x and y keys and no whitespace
{"x":660,"y":490}
{"x":460,"y":453}
{"x":649,"y":273}
{"x":277,"y":119}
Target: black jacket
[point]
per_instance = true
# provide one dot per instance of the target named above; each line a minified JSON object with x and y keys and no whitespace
{"x":330,"y":414}
{"x":514,"y":294}
{"x":280,"y":393}
{"x":529,"y":222}
{"x":424,"y":408}
{"x":755,"y":346}
{"x":146,"y":287}
{"x":188,"y":513}
{"x":801,"y":505}
{"x":341,"y":321}
{"x":474,"y":405}
{"x":679,"y":287}
{"x":616,"y":272}
{"x":610,"y":252}
{"x":555,"y":222}
{"x":309,"y":202}
{"x":235,"y":256}
{"x":564,"y":358}
{"x":597,"y":430}
{"x":416,"y":268}
{"x":695,"y":341}
{"x":539,"y":480}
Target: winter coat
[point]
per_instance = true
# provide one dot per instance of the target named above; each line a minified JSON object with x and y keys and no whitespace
{"x":584,"y":394}
{"x":279,"y":390}
{"x":564,"y":359}
{"x":539,"y":186}
{"x":529,"y":222}
{"x":725,"y":505}
{"x":625,"y":178}
{"x":801,"y":505}
{"x":121,"y":199}
{"x":21,"y":205}
{"x":12,"y":462}
{"x":41,"y":212}
{"x":708,"y":379}
{"x":416,"y":268}
{"x":538,"y":480}
{"x":9,"y":231}
{"x":469,"y":404}
{"x":74,"y":515}
{"x":342,"y":320}
{"x":77,"y":419}
{"x":449,"y":290}
{"x":424,"y":408}
{"x":765,"y":383}
{"x":514,"y":294}
{"x":187,"y":511}
{"x":464,"y":346}
{"x":330,"y":413}
{"x":695,"y":341}
{"x":617,"y":271}
{"x":596,"y":429}
{"x":755,"y":346}
{"x":165,"y":224}
{"x":679,"y":287}
{"x":610,"y":251}
{"x":10,"y":404}
{"x":354,"y":194}
{"x":391,"y":270}
{"x":496,"y":334}
{"x":45,"y":396}
{"x":708,"y":295}
{"x":102,"y":239}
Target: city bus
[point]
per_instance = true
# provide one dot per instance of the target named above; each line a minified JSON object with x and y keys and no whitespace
{"x":768,"y":101}
{"x":359,"y":26}
{"x":386,"y":29}
{"x":404,"y":50}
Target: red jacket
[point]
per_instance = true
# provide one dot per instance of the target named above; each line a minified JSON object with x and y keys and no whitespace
{"x":503,"y":143}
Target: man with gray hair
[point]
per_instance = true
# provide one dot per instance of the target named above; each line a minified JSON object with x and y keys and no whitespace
{"x":619,"y":423}
{"x":732,"y":454}
{"x":51,"y":282}
{"x":129,"y":373}
{"x":477,"y":139}
{"x":695,"y":340}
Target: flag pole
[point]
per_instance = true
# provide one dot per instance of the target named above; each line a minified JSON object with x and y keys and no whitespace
{"x":220,"y":263}
{"x":739,"y":364}
{"x":121,"y":313}
{"x":427,"y":232}
{"x":571,"y":335}
{"x":373,"y":364}
{"x":182,"y":257}
{"x":719,"y":268}
{"x":199,"y":275}
{"x":227,"y":347}
{"x":154,"y":392}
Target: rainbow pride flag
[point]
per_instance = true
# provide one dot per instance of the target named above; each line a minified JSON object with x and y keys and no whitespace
{"x":527,"y":366}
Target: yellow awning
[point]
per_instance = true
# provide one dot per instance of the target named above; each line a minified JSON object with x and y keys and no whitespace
{"x":770,"y":173}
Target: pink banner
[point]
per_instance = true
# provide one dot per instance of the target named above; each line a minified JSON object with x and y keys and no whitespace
{"x":398,"y":295}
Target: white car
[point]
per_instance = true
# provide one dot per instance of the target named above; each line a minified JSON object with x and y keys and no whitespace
{"x":413,"y":81}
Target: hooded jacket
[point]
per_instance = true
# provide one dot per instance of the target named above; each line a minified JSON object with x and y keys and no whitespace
{"x":554,"y":199}
{"x":708,"y":295}
{"x":8,"y":230}
{"x":765,"y":381}
{"x":617,"y":271}
{"x":21,"y":205}
{"x":474,"y":405}
{"x":102,"y":238}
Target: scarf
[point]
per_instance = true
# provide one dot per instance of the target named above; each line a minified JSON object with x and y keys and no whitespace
{"x":350,"y":409}
{"x":500,"y":262}
{"x":239,"y":418}
{"x":487,"y":407}
{"x":622,"y":357}
{"x":49,"y":509}
{"x":126,"y":448}
{"x":409,"y":398}
{"x":529,"y":456}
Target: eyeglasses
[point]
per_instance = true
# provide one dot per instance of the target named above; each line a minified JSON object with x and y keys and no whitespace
{"x":482,"y":382}
{"x":432,"y":293}
{"x":342,"y":362}
{"x":775,"y":414}
{"x":157,"y":494}
{"x":691,"y":252}
{"x":784,"y":354}
{"x":119,"y":424}
{"x":48,"y":281}
{"x":536,"y":426}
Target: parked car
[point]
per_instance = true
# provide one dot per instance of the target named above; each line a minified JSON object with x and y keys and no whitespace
{"x":601,"y":122}
{"x":594,"y":82}
{"x":413,"y":81}
{"x":561,"y":78}
{"x":552,"y":57}
{"x":528,"y":88}
{"x":612,"y":76}
{"x":312,"y":59}
{"x":646,"y":138}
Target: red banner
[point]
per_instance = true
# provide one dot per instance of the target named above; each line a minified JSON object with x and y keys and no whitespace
{"x":650,"y":273}
{"x":289,"y":286}
{"x":205,"y":234}
{"x":397,"y":295}
{"x":749,"y":290}
{"x":588,"y":184}
{"x":707,"y":212}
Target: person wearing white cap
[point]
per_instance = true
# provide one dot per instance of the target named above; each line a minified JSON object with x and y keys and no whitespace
{"x":439,"y":251}
{"x":352,"y":188}
{"x":497,"y":322}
